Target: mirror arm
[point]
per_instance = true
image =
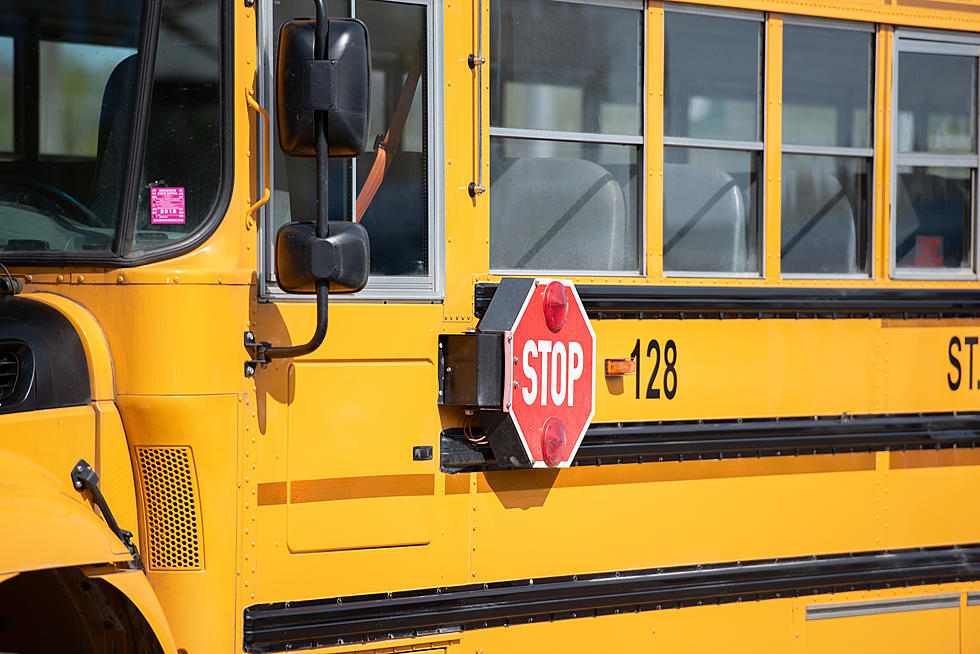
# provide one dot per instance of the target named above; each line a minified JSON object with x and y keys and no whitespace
{"x":264,"y":352}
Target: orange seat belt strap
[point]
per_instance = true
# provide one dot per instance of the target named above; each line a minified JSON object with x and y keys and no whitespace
{"x":389,"y":144}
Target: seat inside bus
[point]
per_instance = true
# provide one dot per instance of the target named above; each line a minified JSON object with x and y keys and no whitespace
{"x":931,"y":206}
{"x":705,"y":222}
{"x":818,"y":231}
{"x":557,"y":214}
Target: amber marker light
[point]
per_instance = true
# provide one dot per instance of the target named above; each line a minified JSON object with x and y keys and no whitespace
{"x":620,"y":367}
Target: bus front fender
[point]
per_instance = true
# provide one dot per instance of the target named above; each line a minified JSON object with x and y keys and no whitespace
{"x":48,"y":524}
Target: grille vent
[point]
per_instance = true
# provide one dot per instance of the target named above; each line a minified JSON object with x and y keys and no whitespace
{"x":172,"y":510}
{"x":9,"y":371}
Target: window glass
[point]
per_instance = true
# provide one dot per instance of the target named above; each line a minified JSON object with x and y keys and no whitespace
{"x":934,"y":217}
{"x":73,"y":76}
{"x":937,"y":103}
{"x":570,"y":204}
{"x":565,"y":67}
{"x":712,"y":77}
{"x":6,"y":94}
{"x":77,"y":76}
{"x":589,"y":193}
{"x":936,"y":162}
{"x":827,"y":85}
{"x":713,"y":146}
{"x":61,"y":183}
{"x":397,"y":219}
{"x":182,"y":160}
{"x":825,"y":208}
{"x":825,"y":205}
{"x":711,"y":211}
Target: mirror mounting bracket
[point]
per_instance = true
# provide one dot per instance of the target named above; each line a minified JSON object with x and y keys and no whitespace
{"x":263,"y":352}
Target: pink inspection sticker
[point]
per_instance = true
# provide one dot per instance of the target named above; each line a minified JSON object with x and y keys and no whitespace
{"x":167,"y":206}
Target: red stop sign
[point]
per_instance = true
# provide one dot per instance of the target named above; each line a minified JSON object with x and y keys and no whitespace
{"x":550,"y":391}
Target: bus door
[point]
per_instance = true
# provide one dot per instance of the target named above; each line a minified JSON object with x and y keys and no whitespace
{"x":352,"y":427}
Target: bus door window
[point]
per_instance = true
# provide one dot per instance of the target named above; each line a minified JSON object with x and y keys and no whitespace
{"x":827,"y":150}
{"x":934,"y":187}
{"x":566,"y":135}
{"x":712,"y":142}
{"x":398,"y":216}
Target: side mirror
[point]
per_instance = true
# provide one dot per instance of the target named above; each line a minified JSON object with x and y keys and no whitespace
{"x":339,"y":85}
{"x":342,"y":258}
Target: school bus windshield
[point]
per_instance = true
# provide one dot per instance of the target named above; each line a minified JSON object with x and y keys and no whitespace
{"x":74,"y":125}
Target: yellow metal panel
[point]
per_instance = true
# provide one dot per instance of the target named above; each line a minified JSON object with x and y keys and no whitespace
{"x":54,"y":439}
{"x":467,"y":219}
{"x":172,"y":339}
{"x":883,"y":140}
{"x":654,"y":141}
{"x":914,"y":632}
{"x":786,"y":367}
{"x":48,"y":524}
{"x":632,"y":517}
{"x":741,"y":368}
{"x":926,"y":506}
{"x":970,"y":625}
{"x":353,"y":469}
{"x":773,"y":112}
{"x":942,"y":14}
{"x":209,"y":425}
{"x":114,"y":467}
{"x":742,"y":628}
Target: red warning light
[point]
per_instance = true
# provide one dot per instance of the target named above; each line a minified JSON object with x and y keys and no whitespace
{"x":553,"y":441}
{"x":555,"y":306}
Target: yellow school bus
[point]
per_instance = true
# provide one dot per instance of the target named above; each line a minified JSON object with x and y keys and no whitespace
{"x":261,"y":285}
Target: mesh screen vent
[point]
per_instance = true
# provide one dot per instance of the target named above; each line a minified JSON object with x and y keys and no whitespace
{"x":9,"y":370}
{"x":172,"y":513}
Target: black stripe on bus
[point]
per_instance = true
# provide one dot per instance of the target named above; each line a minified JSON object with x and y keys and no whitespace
{"x":406,"y":614}
{"x":608,"y":301}
{"x":614,"y":443}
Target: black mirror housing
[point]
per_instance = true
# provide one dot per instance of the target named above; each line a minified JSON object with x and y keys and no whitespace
{"x":342,"y":258}
{"x":339,"y":85}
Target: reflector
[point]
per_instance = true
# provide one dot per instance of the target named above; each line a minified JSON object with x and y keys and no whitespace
{"x":555,"y":306}
{"x":553,"y":441}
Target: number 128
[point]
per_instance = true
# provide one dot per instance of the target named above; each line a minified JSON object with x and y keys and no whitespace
{"x":670,"y":372}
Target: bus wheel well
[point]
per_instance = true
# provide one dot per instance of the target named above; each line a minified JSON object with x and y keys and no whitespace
{"x":62,"y":610}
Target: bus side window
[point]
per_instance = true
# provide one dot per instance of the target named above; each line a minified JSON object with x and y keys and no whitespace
{"x":712,"y":143}
{"x":565,"y":136}
{"x":397,"y":217}
{"x":827,"y":150}
{"x":936,"y":158}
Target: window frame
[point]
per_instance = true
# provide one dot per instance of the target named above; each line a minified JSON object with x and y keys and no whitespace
{"x":760,"y":146}
{"x":870,"y":154}
{"x":939,"y":43}
{"x":430,"y":288}
{"x":639,"y":141}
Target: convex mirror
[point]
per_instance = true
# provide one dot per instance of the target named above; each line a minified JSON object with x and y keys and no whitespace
{"x":339,"y":85}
